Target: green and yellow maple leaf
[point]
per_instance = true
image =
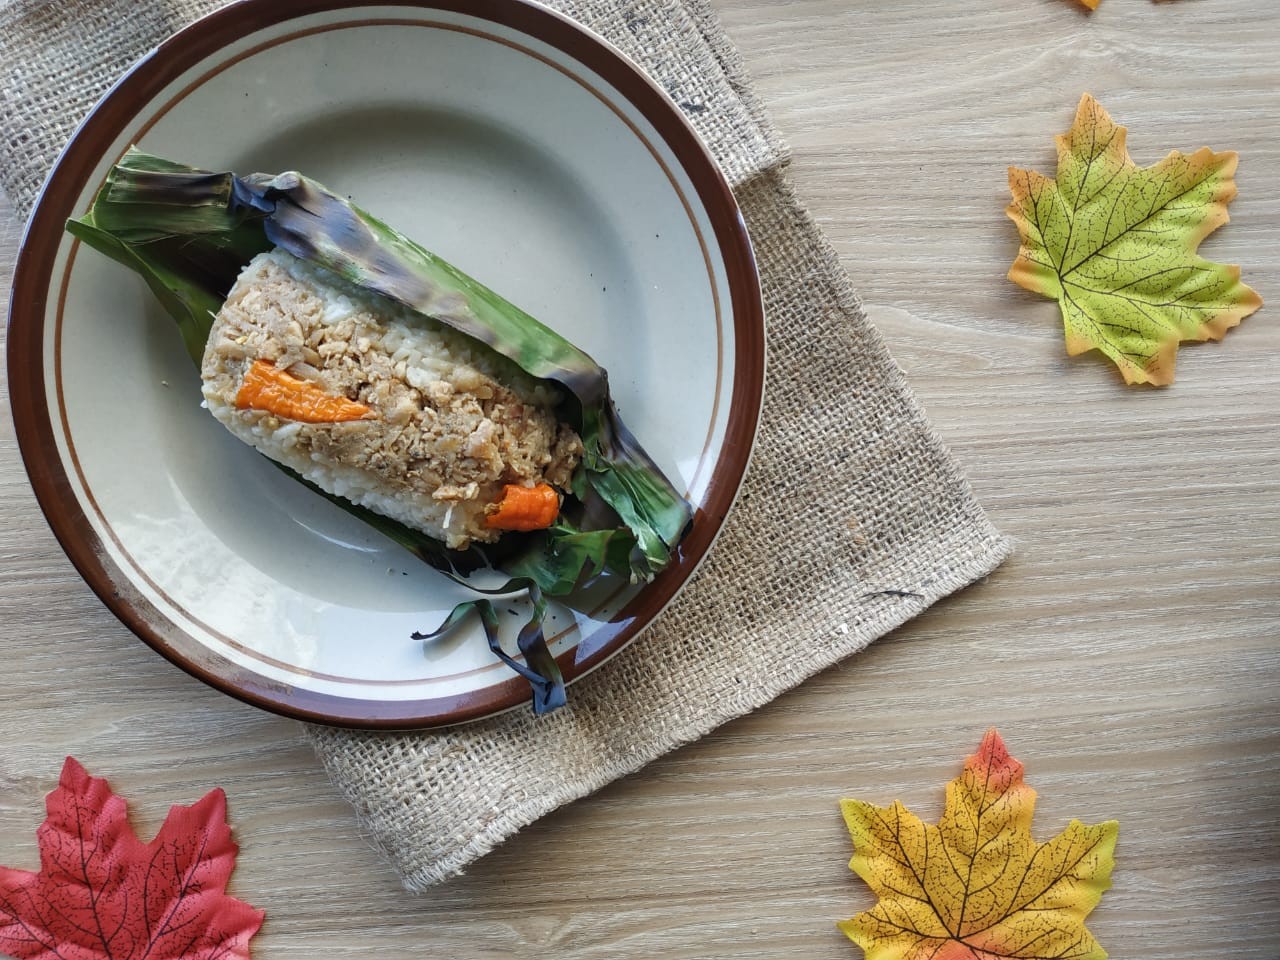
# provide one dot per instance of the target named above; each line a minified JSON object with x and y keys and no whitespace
{"x":1115,"y":245}
{"x":976,"y":886}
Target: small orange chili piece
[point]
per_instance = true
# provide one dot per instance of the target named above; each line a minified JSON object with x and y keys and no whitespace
{"x":525,"y":508}
{"x":267,"y":387}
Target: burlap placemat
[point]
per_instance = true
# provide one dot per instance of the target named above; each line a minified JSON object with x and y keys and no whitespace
{"x":852,"y":520}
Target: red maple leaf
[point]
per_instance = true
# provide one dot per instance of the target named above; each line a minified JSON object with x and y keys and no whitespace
{"x":102,"y":894}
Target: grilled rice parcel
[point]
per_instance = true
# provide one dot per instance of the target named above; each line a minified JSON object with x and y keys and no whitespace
{"x":383,"y":406}
{"x":387,"y":380}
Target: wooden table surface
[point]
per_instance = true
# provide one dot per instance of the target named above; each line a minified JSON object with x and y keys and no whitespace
{"x":1127,"y":652}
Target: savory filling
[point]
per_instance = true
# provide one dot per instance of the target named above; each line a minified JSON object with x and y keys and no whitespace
{"x":374,"y":403}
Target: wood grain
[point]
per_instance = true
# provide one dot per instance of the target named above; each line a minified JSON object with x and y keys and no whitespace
{"x":1128,"y":652}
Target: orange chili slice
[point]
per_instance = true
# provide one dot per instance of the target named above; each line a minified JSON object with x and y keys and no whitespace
{"x":267,"y":387}
{"x":525,"y":508}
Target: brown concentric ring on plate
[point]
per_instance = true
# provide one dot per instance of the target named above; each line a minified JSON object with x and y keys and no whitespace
{"x":34,"y":285}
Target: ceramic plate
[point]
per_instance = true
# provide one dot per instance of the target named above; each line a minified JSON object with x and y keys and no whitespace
{"x":499,"y":135}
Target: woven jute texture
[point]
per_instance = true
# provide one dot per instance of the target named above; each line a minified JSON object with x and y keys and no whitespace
{"x":799,"y":579}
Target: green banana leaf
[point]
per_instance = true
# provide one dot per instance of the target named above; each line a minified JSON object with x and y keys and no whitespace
{"x":189,"y":232}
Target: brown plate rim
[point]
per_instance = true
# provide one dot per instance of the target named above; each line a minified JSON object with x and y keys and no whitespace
{"x":36,"y":438}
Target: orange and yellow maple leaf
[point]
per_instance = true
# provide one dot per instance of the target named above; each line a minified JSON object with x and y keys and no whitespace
{"x":976,"y":886}
{"x":1115,"y":245}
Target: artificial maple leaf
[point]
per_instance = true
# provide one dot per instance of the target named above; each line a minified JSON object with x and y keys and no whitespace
{"x":102,"y":894}
{"x":976,"y":886}
{"x":1115,"y":245}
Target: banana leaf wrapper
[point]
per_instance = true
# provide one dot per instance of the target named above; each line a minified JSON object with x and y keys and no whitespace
{"x":189,"y":232}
